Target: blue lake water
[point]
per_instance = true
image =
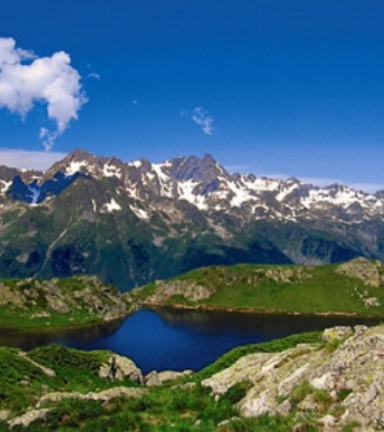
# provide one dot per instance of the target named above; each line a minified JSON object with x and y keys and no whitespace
{"x":177,"y":340}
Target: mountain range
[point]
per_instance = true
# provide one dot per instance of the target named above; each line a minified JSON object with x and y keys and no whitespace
{"x":131,"y":223}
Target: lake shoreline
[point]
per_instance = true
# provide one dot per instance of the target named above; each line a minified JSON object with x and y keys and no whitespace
{"x":208,"y":308}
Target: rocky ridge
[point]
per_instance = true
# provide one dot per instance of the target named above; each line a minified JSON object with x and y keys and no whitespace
{"x":340,"y":383}
{"x":43,"y":300}
{"x":131,"y":223}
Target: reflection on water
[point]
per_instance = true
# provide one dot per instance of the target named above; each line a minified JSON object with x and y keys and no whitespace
{"x":28,"y":340}
{"x":170,"y":339}
{"x":268,"y":324}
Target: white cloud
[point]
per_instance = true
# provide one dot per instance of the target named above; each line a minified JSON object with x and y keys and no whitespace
{"x":94,"y":75}
{"x":37,"y":160}
{"x":201,"y":117}
{"x":26,"y":79}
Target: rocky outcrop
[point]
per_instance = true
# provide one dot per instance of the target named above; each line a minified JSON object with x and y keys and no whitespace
{"x":287,"y":275}
{"x":36,"y":299}
{"x":51,"y":398}
{"x":189,"y":289}
{"x":103,"y":396}
{"x":368,"y":271}
{"x":29,"y":417}
{"x":338,"y":384}
{"x":155,"y":378}
{"x":120,"y":368}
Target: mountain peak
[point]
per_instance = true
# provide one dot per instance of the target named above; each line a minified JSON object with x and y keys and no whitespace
{"x":78,"y":154}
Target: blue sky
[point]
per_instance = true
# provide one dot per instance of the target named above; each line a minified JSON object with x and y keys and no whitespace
{"x":273,"y":87}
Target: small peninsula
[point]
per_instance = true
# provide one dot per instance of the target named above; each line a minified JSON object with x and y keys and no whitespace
{"x":355,"y":287}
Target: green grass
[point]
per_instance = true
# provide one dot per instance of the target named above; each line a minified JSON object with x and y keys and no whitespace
{"x":309,"y":290}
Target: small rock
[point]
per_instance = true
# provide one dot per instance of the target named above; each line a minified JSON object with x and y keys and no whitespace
{"x":4,"y":414}
{"x":125,"y":369}
{"x":187,"y":386}
{"x":29,"y":417}
{"x":152,"y":379}
{"x":338,"y":333}
{"x":328,"y":421}
{"x":171,"y":375}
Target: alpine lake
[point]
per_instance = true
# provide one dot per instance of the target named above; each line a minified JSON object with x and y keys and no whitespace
{"x":170,"y":339}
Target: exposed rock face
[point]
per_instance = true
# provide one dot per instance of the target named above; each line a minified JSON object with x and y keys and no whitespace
{"x":65,"y":297}
{"x":350,"y":378}
{"x":334,"y":334}
{"x":291,"y":275}
{"x":103,"y":396}
{"x":155,"y":378}
{"x":370,"y":272}
{"x":29,"y":417}
{"x":190,"y":290}
{"x":125,"y":369}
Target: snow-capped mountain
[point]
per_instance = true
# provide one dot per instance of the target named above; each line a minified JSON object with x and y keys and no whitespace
{"x":204,"y":184}
{"x":175,"y":215}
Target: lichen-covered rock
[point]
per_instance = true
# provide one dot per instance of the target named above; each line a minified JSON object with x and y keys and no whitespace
{"x":334,"y":334}
{"x":351,"y":376}
{"x":29,"y":417}
{"x":172,"y":375}
{"x":152,"y":379}
{"x":4,"y":415}
{"x":124,"y":369}
{"x":287,"y":275}
{"x":66,"y":296}
{"x":189,"y":289}
{"x":370,"y":272}
{"x":104,"y":396}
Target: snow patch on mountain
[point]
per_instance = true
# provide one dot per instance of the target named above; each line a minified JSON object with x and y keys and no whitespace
{"x":112,"y":206}
{"x":111,"y":171}
{"x":140,"y":213}
{"x":136,"y":164}
{"x":240,"y":194}
{"x":186,"y":191}
{"x":4,"y":186}
{"x":75,"y":166}
{"x":163,"y":178}
{"x":206,"y":185}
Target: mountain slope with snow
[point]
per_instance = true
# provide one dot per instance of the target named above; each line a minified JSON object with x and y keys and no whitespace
{"x":130,"y":223}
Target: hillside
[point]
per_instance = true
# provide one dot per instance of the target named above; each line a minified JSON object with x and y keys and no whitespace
{"x":132,"y":223}
{"x":40,"y":304}
{"x":309,"y":382}
{"x":354,"y":287}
